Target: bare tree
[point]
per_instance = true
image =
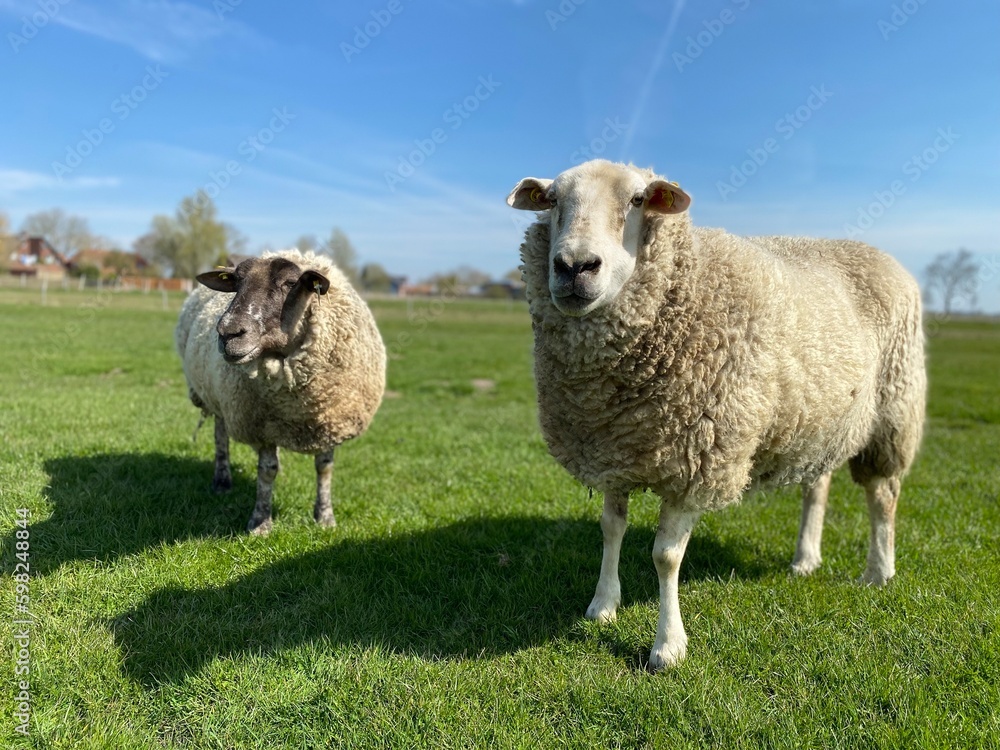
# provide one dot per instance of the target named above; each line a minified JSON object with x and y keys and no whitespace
{"x":339,"y":247}
{"x":955,"y":276}
{"x":65,"y":233}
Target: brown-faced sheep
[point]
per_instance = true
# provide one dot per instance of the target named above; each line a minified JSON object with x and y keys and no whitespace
{"x":283,"y":353}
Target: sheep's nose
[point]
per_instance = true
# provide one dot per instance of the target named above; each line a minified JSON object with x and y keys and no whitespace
{"x":227,"y":337}
{"x":229,"y":329}
{"x":571,"y":267}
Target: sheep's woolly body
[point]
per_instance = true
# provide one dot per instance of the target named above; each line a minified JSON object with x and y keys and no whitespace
{"x":728,"y":362}
{"x":323,"y":393}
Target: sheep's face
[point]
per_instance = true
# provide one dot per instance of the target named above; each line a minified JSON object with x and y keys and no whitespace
{"x":263,"y":317}
{"x":596,"y":212}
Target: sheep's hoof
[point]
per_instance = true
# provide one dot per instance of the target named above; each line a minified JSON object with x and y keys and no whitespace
{"x":602,"y":612}
{"x":876,"y":578}
{"x":222,"y":483}
{"x":326,"y":520}
{"x":669,"y":654}
{"x":259,"y":526}
{"x":805,"y":566}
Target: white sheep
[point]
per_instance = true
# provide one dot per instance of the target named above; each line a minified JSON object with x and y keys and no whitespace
{"x":700,"y":364}
{"x":283,"y":353}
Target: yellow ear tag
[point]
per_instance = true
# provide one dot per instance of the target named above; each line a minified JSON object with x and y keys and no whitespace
{"x":223,"y":277}
{"x":316,"y":286}
{"x":669,"y":199}
{"x":535,"y":195}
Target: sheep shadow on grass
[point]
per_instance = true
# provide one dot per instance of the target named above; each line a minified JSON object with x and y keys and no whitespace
{"x":484,"y":586}
{"x":106,"y":506}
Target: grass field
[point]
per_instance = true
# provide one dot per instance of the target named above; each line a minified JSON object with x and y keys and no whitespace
{"x":446,"y":608}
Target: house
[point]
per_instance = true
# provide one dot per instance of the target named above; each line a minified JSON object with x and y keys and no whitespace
{"x":417,"y":290}
{"x":34,"y":257}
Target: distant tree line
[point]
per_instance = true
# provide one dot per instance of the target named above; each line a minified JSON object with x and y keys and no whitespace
{"x":194,"y":239}
{"x":190,"y":241}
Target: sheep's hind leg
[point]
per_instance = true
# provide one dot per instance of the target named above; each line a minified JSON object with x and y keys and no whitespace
{"x":807,"y":551}
{"x":882,"y":494}
{"x":614,"y":520}
{"x":222,"y":481}
{"x":323,"y":510}
{"x":267,"y":470}
{"x":672,"y":536}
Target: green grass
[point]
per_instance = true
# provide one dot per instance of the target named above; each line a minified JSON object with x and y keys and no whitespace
{"x":446,"y":608}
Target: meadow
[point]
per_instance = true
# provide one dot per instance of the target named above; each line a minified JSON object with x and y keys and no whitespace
{"x":446,"y":609}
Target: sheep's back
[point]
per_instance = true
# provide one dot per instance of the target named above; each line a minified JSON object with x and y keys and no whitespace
{"x":763,"y":366}
{"x":321,"y":395}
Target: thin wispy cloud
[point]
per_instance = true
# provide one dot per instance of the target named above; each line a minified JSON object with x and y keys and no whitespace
{"x":646,"y":90}
{"x":20,"y":181}
{"x":159,"y":30}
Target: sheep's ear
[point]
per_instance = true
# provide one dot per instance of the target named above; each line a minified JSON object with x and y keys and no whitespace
{"x":223,"y":280}
{"x":314,"y":281}
{"x":666,"y":197}
{"x":530,"y":195}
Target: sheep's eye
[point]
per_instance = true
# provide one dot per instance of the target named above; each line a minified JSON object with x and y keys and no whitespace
{"x":552,"y":199}
{"x":638,"y":199}
{"x":289,"y":284}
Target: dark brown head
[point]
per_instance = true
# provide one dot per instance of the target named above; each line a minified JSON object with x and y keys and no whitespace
{"x":271,"y":296}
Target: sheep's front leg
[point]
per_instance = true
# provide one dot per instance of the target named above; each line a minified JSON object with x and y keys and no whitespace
{"x":323,"y":510}
{"x":604,"y":607}
{"x":807,"y":555}
{"x":267,"y":470}
{"x":882,"y":494}
{"x":223,"y":479}
{"x":672,"y":536}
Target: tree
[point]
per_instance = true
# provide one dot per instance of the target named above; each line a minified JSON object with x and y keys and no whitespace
{"x":955,"y":276}
{"x":459,"y":282}
{"x":374,"y":278}
{"x":188,"y":242}
{"x":66,"y":234}
{"x":515,"y":275}
{"x":339,"y":247}
{"x":7,"y":242}
{"x":469,"y":277}
{"x":307,"y":242}
{"x":236,"y":244}
{"x":120,"y":262}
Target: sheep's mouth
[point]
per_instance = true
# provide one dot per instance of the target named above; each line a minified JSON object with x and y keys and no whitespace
{"x":233,"y":360}
{"x":575,"y":304}
{"x":241,"y":359}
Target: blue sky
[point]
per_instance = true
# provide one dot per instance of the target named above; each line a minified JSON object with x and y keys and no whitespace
{"x":407,"y":123}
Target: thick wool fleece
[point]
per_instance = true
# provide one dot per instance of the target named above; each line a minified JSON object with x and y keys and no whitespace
{"x":727,"y":363}
{"x":325,"y":392}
